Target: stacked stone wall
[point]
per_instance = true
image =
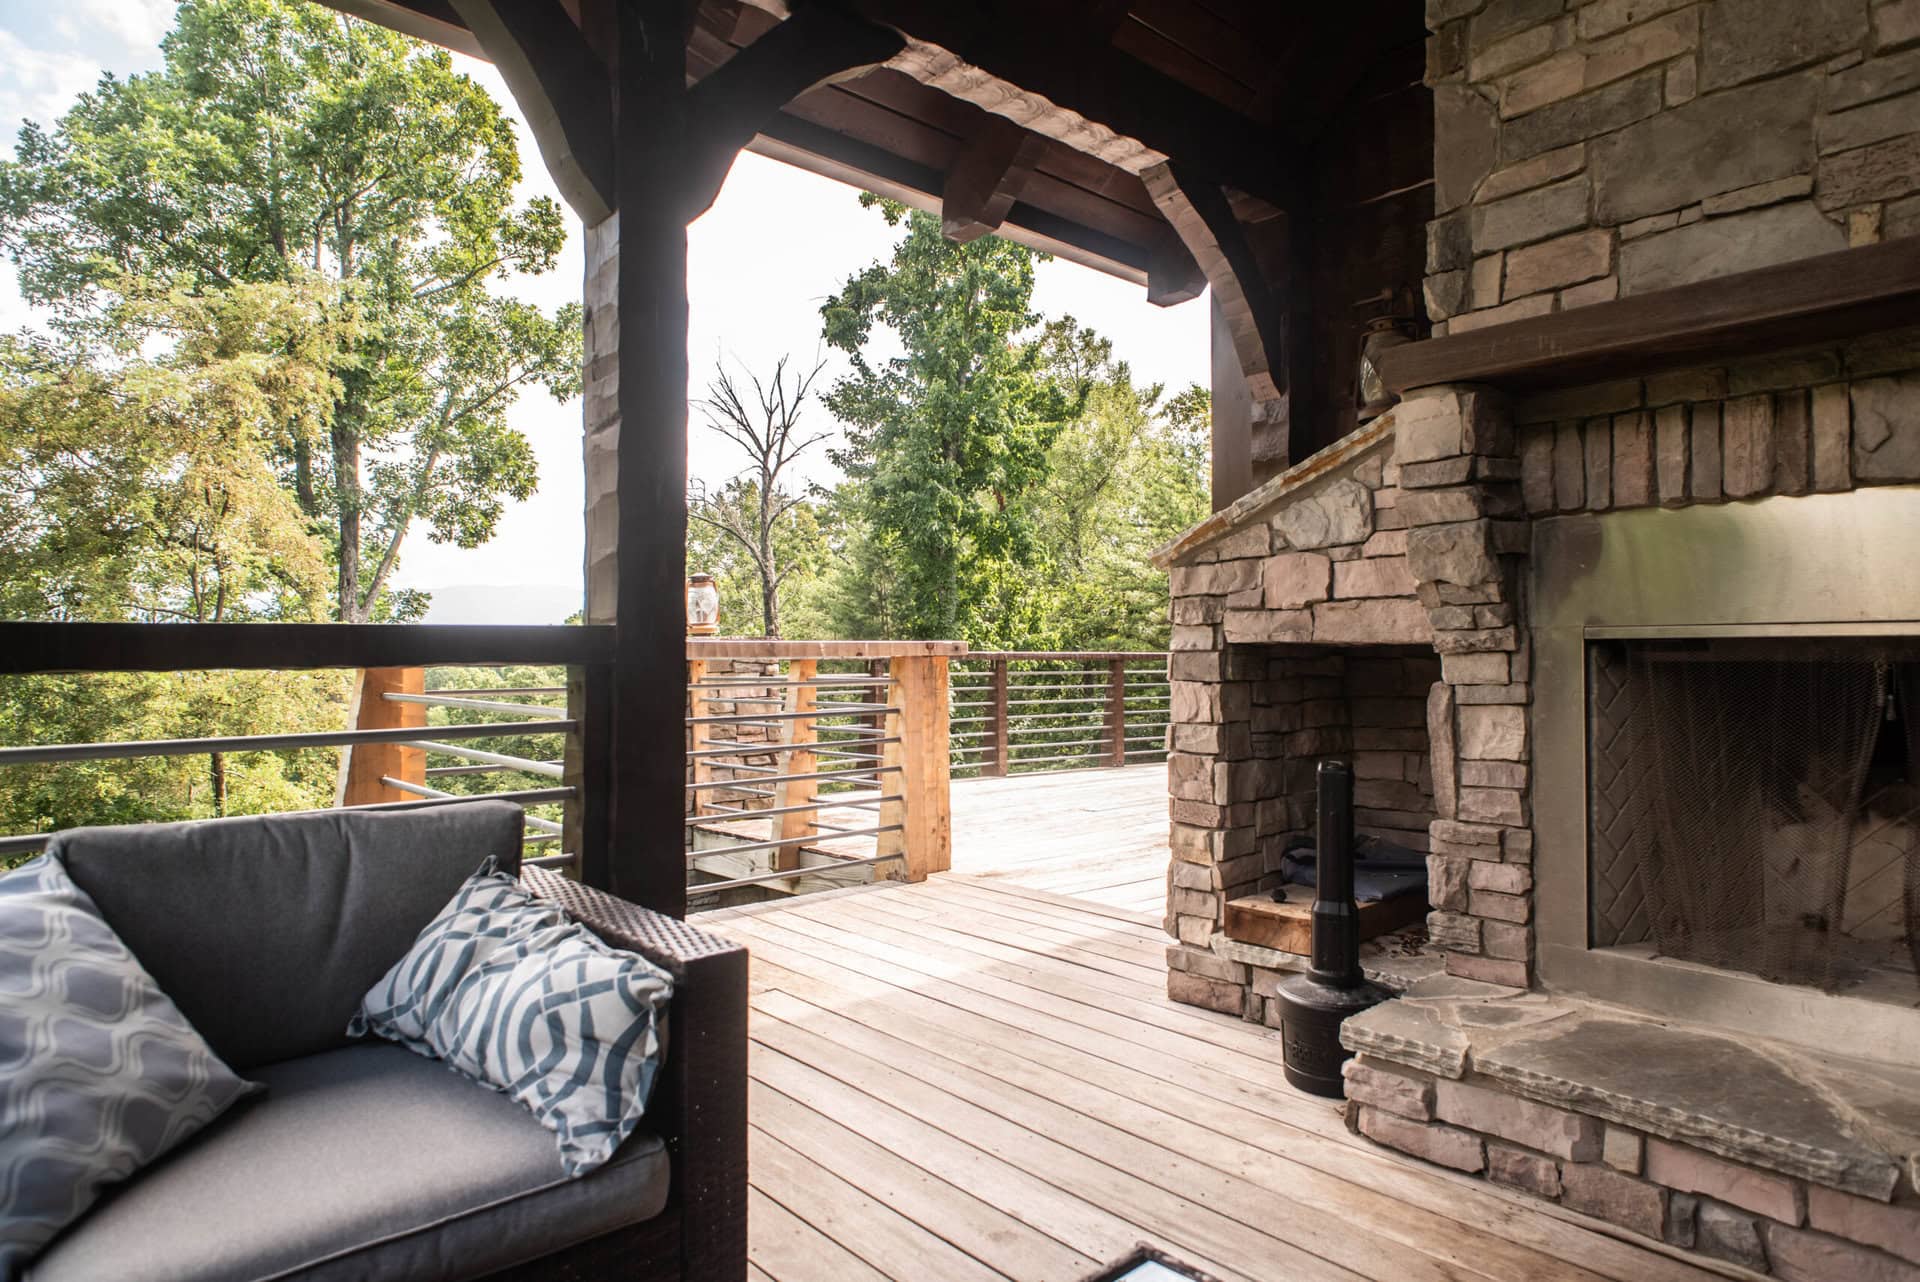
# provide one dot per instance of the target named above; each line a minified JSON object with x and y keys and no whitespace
{"x":1653,"y":1186}
{"x":1591,"y":151}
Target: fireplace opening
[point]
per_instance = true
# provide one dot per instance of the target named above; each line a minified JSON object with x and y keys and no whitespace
{"x":1754,"y":805}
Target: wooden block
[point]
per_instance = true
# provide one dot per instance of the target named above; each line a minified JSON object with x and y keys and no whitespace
{"x":1288,"y":927}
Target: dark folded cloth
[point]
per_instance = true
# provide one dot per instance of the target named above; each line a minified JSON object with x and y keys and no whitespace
{"x":1381,"y":869}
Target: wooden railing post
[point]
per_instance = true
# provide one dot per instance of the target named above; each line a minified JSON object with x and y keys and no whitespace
{"x":802,"y":697}
{"x":919,"y":690}
{"x":363,"y":765}
{"x":1116,"y":712}
{"x":998,"y":756}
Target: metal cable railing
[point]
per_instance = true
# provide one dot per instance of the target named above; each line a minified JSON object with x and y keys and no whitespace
{"x":1015,"y":711}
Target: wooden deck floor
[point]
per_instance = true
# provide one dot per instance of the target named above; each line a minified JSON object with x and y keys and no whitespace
{"x":972,"y":1079}
{"x":1099,"y":835}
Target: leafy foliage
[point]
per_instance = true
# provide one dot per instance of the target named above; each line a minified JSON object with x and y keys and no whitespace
{"x":946,"y":439}
{"x":284,"y":143}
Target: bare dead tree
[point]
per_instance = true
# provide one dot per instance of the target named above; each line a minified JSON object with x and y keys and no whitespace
{"x":767,"y":428}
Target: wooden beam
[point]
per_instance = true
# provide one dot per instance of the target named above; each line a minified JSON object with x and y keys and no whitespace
{"x":1815,"y":300}
{"x":1173,"y":274}
{"x":987,"y":177}
{"x":1090,"y":78}
{"x":362,"y":766}
{"x":815,"y":46}
{"x":1202,"y":217}
{"x":562,"y":88}
{"x":431,"y":20}
{"x":287,"y":647}
{"x":1232,"y":416}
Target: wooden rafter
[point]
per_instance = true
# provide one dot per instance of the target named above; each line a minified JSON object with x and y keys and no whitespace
{"x":1201,"y":214}
{"x":563,"y":88}
{"x":815,"y":46}
{"x":987,"y":177}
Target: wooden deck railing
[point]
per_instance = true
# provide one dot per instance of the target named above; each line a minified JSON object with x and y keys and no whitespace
{"x":1016,"y":711}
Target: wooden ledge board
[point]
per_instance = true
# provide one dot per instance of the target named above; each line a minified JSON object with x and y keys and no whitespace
{"x":1288,"y":927}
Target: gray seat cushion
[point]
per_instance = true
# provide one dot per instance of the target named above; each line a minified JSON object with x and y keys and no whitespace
{"x":267,"y":931}
{"x":368,"y":1163}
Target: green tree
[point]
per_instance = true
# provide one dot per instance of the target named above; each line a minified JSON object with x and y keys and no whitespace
{"x":1126,"y":475}
{"x":138,"y":486}
{"x":283,"y":142}
{"x":944,"y":440}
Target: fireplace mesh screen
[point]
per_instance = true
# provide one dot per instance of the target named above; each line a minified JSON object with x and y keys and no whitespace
{"x":1753,"y":812}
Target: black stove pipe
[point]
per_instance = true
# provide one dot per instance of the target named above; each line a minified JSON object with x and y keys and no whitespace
{"x":1314,"y":1005}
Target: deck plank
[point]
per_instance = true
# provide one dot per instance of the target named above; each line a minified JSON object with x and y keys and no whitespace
{"x":980,"y":1077}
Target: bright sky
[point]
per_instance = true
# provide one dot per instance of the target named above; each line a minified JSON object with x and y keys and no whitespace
{"x":761,"y":261}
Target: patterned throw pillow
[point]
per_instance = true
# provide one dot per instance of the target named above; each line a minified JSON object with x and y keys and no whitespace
{"x":99,"y":1072}
{"x":512,"y":993}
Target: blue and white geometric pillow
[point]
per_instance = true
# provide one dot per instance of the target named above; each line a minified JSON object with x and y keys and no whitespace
{"x":512,"y":993}
{"x":100,"y":1074}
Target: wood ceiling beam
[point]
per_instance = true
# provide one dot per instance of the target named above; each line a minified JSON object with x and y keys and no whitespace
{"x":1092,"y":81}
{"x":1173,"y":274}
{"x":563,"y":88}
{"x":1203,"y":218}
{"x":986,"y":178}
{"x":816,"y":46}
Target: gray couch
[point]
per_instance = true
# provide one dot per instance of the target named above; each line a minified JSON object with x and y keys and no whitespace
{"x":364,"y":1160}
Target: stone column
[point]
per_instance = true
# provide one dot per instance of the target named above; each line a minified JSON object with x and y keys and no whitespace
{"x":1455,"y":451}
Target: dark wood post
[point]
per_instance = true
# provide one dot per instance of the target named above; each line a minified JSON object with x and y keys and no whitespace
{"x":1116,"y":712}
{"x":362,"y":766}
{"x":998,"y":757}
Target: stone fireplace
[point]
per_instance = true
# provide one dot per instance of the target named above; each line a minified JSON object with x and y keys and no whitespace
{"x":1667,"y":610}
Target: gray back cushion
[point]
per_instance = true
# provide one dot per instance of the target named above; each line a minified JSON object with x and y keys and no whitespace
{"x":267,"y":931}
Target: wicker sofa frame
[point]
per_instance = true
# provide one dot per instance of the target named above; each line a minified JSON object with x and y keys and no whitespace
{"x":699,"y":1106}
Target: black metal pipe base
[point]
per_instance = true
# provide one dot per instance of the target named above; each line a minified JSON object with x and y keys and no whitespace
{"x":1311,"y":1013}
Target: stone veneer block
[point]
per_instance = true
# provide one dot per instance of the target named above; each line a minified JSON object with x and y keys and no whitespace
{"x":1673,"y":1082}
{"x":1748,"y":39}
{"x":1832,"y":438}
{"x":1409,"y":1097}
{"x":1523,"y":1170}
{"x":1373,"y":577}
{"x":1622,"y":1150}
{"x":1440,"y":749}
{"x":1703,"y":441}
{"x":1457,"y":552}
{"x":1210,"y":994}
{"x":1586,"y":115}
{"x":1717,"y":247}
{"x":1799,"y":1256}
{"x":1537,"y":1126}
{"x":1670,"y":453}
{"x":1493,"y":732}
{"x":1488,"y":970}
{"x":1536,"y":471}
{"x":1381,"y":621}
{"x":1886,"y":428}
{"x":1632,"y":460}
{"x":1441,"y":1145}
{"x":1619,"y":1199}
{"x":1692,"y":1171}
{"x":1746,"y":435}
{"x":1715,"y":144}
{"x":1341,"y":513}
{"x":1792,"y":442}
{"x":1894,"y":1228}
{"x":1402,"y":1033}
{"x":1599,"y":452}
{"x":1569,"y":468}
{"x":1725,"y":1233}
{"x":1291,"y":580}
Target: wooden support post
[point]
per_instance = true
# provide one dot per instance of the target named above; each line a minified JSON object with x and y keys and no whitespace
{"x":801,"y":698}
{"x":363,"y":765}
{"x":919,"y":690}
{"x":1116,"y":712}
{"x":698,"y":771}
{"x":998,"y":755}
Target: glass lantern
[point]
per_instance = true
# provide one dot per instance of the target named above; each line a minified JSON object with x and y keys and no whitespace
{"x":703,"y":606}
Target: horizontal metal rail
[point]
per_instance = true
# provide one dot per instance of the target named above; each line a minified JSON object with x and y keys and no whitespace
{"x":724,"y":812}
{"x":764,"y":718}
{"x":769,"y":749}
{"x":551,"y":861}
{"x":842,"y":776}
{"x":478,"y":705}
{"x":715,"y":887}
{"x":474,"y":694}
{"x":434,"y":772}
{"x":528,"y":797}
{"x":37,"y":754}
{"x":525,"y":764}
{"x":753,"y":847}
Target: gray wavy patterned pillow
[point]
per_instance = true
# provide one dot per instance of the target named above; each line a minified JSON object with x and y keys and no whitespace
{"x":99,"y":1072}
{"x":512,"y":993}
